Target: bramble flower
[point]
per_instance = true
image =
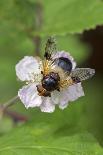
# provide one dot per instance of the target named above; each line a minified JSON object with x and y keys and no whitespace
{"x":29,"y":70}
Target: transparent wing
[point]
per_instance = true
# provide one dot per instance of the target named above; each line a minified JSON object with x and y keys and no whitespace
{"x":81,"y":74}
{"x":50,"y":48}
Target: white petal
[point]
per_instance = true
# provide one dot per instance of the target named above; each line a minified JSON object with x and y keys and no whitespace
{"x":47,"y":105}
{"x":27,"y":67}
{"x":72,"y":93}
{"x":29,"y":96}
{"x":65,"y":55}
{"x":63,"y":99}
{"x":75,"y":91}
{"x":55,"y":97}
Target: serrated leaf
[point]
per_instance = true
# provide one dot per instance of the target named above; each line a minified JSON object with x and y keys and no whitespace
{"x":72,"y":44}
{"x":71,"y":16}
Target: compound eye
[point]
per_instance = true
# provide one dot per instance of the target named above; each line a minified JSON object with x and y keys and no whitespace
{"x":64,"y":63}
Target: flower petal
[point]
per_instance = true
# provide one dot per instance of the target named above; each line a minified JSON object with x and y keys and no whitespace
{"x":72,"y":93}
{"x":63,"y":100}
{"x":65,"y":55}
{"x":27,"y":67}
{"x":75,"y":91}
{"x":29,"y":96}
{"x":47,"y":105}
{"x":55,"y":97}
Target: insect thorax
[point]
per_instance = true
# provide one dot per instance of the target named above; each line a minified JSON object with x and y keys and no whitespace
{"x":51,"y":81}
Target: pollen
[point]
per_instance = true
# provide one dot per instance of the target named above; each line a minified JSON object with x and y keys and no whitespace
{"x":34,"y":78}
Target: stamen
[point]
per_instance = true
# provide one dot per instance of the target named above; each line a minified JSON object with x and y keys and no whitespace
{"x":34,"y":78}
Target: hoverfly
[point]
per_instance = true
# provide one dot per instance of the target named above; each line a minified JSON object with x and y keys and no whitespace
{"x":58,"y":73}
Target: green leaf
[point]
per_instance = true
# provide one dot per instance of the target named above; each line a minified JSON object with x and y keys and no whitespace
{"x":18,"y":14}
{"x":71,"y":16}
{"x":24,"y":141}
{"x":58,"y":133}
{"x":6,"y":124}
{"x":72,"y":44}
{"x":59,"y":17}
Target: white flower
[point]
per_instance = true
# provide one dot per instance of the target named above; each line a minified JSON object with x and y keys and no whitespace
{"x":29,"y":70}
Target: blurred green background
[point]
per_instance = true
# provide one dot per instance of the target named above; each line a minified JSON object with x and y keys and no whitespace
{"x":24,"y":28}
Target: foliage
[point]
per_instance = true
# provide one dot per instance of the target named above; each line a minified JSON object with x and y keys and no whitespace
{"x":28,"y":140}
{"x":63,"y":132}
{"x":71,"y":16}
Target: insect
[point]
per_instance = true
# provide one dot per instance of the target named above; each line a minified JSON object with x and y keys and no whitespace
{"x":58,"y":73}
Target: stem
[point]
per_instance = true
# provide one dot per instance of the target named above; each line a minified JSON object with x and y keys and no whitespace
{"x":10,"y":102}
{"x":38,"y":25}
{"x":38,"y":16}
{"x":14,"y":115}
{"x":37,"y":41}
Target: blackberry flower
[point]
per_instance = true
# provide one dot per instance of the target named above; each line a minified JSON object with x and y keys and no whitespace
{"x":29,"y":69}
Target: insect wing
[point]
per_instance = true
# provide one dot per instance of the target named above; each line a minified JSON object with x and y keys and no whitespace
{"x":50,"y":48}
{"x":81,"y":74}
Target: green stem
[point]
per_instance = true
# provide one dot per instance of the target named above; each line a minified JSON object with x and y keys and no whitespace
{"x":10,"y":102}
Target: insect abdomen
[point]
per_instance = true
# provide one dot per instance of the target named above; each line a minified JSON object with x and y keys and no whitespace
{"x":64,"y":63}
